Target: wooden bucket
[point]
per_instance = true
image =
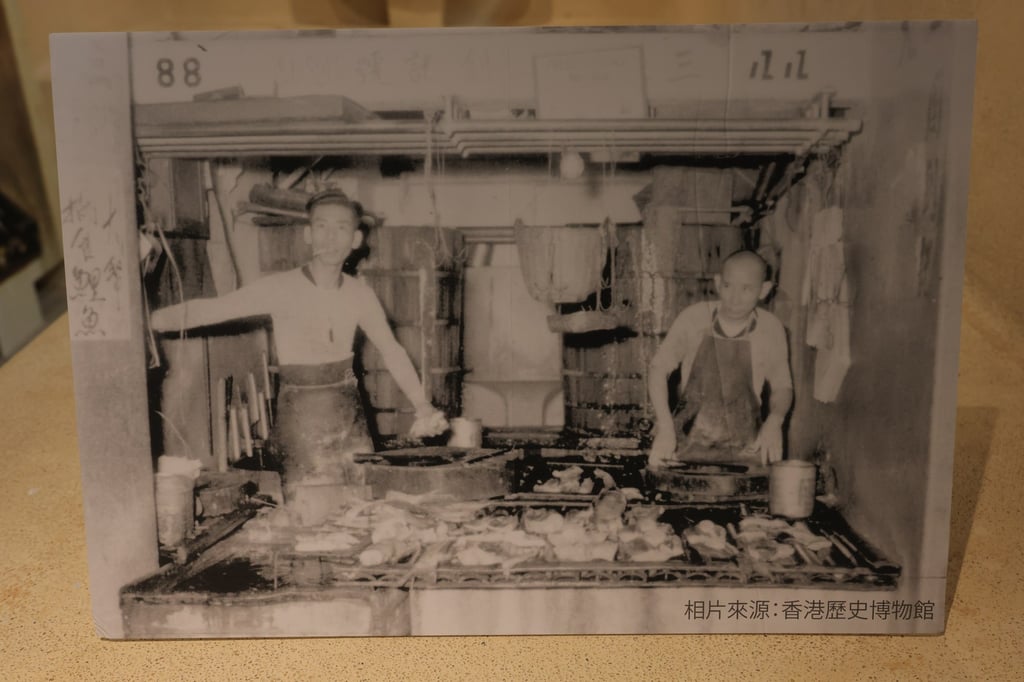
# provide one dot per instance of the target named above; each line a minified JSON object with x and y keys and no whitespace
{"x":604,"y":378}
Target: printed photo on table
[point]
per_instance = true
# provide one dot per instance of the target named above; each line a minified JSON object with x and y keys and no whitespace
{"x":517,"y":331}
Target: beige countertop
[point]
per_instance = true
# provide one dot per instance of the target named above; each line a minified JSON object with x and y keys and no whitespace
{"x":46,"y":628}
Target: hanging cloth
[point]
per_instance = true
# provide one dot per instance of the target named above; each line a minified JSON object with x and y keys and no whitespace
{"x":824,"y":276}
{"x":785,"y":245}
{"x":832,"y":363}
{"x":825,"y":293}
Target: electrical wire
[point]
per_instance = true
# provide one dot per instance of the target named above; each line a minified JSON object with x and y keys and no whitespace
{"x":142,"y":196}
{"x":176,"y":432}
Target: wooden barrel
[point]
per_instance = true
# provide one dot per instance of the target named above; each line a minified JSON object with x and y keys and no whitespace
{"x":417,"y":274}
{"x":604,"y":376}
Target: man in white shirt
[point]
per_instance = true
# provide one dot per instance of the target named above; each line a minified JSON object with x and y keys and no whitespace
{"x":315,"y":311}
{"x":726,"y":350}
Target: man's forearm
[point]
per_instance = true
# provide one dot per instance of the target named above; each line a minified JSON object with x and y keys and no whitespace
{"x":658,"y":392}
{"x":189,"y":315}
{"x":404,"y":374}
{"x":200,"y":312}
{"x":778,"y":406}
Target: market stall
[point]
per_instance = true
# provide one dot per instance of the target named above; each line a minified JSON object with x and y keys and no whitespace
{"x":571,"y":506}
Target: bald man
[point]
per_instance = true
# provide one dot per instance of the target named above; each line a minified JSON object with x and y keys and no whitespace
{"x":726,"y":350}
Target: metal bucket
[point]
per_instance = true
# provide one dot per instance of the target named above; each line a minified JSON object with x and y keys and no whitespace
{"x":466,"y":433}
{"x":791,"y":488}
{"x":175,"y":508}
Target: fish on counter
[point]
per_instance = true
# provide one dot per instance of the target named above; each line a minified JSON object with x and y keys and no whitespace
{"x":710,"y":541}
{"x":570,"y":481}
{"x":404,"y":528}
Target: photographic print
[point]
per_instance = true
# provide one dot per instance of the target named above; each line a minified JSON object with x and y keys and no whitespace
{"x":516,"y":331}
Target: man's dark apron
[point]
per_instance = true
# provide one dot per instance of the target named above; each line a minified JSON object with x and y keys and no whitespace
{"x":320,"y":424}
{"x":718,"y":413}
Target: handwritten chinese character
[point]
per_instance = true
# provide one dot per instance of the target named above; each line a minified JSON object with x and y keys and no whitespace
{"x":73,"y":211}
{"x":85,"y":283}
{"x":417,"y":65}
{"x":794,"y":69}
{"x":83,"y":243}
{"x":90,"y":320}
{"x":109,"y":220}
{"x":112,"y":272}
{"x":369,"y":67}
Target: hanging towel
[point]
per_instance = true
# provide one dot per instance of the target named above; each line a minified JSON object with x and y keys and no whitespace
{"x":831,"y":363}
{"x":825,"y":274}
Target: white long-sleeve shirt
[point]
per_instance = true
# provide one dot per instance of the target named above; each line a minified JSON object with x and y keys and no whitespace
{"x":312,"y":325}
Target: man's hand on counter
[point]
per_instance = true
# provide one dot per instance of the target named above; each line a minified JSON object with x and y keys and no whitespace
{"x":663,"y":447}
{"x":769,"y":441}
{"x":429,"y":422}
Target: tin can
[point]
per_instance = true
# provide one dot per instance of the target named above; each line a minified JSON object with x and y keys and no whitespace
{"x":175,"y":508}
{"x":466,"y":433}
{"x":791,"y":488}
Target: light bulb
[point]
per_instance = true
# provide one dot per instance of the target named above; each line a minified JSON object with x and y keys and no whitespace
{"x":571,"y":165}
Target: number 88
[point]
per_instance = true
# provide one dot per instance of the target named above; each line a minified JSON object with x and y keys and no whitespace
{"x":165,"y":72}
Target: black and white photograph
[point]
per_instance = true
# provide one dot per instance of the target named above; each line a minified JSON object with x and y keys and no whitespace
{"x":516,"y":331}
